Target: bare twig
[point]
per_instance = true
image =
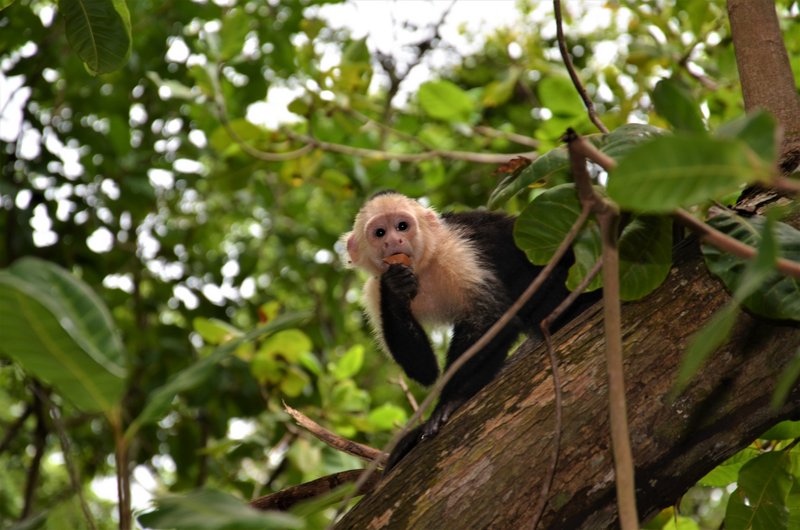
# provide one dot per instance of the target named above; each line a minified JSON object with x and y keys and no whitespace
{"x":545,"y":328}
{"x":285,"y":499}
{"x":66,"y":451}
{"x":375,"y":154}
{"x":401,"y":382}
{"x":562,"y":46}
{"x":334,"y":440}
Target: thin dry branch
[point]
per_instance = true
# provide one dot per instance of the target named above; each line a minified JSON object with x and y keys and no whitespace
{"x":285,"y":499}
{"x":337,"y":442}
{"x":544,"y":326}
{"x":562,"y":46}
{"x":375,"y":154}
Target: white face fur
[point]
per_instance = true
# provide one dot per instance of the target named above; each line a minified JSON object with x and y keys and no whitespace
{"x":386,"y":225}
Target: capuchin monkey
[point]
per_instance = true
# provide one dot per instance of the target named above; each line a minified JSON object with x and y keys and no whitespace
{"x":459,"y":269}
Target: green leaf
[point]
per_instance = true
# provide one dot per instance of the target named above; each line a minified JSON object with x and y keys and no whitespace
{"x":59,"y":331}
{"x":387,"y":417}
{"x":444,"y":100}
{"x":758,"y":130}
{"x":785,"y":430}
{"x":674,"y":103}
{"x":196,"y":374}
{"x":588,"y":248}
{"x":85,"y":316}
{"x":676,"y":171}
{"x":704,"y":342}
{"x":645,"y":255}
{"x":349,"y":364}
{"x":728,"y":472}
{"x":213,"y":510}
{"x":99,"y":31}
{"x":236,"y":24}
{"x":288,"y":344}
{"x":214,"y":331}
{"x":555,"y":163}
{"x":559,"y":95}
{"x":763,"y":291}
{"x":786,"y":383}
{"x":498,"y":92}
{"x":760,"y":500}
{"x":545,"y":222}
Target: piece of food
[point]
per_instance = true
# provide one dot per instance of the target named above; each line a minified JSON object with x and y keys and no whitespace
{"x":402,"y":259}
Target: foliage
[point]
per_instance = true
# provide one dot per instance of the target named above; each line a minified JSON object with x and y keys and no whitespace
{"x":158,"y":241}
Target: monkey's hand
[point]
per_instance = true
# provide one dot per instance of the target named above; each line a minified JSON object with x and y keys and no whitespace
{"x":439,"y":417}
{"x":400,"y":281}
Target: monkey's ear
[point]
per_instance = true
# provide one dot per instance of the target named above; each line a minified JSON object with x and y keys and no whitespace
{"x":432,"y":218}
{"x":349,"y":240}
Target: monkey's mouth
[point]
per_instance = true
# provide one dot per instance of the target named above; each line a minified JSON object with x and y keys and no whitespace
{"x":398,"y":258}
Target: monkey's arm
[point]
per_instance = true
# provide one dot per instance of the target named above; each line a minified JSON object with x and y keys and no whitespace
{"x":404,"y":336}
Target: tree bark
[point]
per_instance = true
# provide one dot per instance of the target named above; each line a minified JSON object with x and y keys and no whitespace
{"x":485,"y":469}
{"x":764,"y":70}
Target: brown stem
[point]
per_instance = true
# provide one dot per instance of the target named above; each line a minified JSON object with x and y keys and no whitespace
{"x":562,"y":46}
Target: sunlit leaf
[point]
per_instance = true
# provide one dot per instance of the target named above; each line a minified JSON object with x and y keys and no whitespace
{"x":350,"y":363}
{"x":728,"y":472}
{"x":760,"y":500}
{"x":446,"y":101}
{"x":387,"y":417}
{"x":559,"y":95}
{"x":785,"y":430}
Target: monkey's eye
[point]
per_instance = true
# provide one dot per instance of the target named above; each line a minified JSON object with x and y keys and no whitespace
{"x":380,"y":232}
{"x":402,"y":226}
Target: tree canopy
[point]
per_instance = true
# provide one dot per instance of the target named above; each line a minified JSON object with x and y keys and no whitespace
{"x":170,"y":256}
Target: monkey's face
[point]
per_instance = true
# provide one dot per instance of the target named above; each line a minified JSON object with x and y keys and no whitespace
{"x":395,"y":232}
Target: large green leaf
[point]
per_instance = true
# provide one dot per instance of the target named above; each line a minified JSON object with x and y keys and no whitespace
{"x":645,"y":255}
{"x":99,"y":31}
{"x":558,"y":94}
{"x":213,"y":510}
{"x":728,"y":472}
{"x":444,"y":100}
{"x":760,"y":501}
{"x":678,"y":171}
{"x":776,"y":296}
{"x":758,"y":130}
{"x":56,"y":330}
{"x":674,"y":103}
{"x":751,"y":281}
{"x":84,"y":315}
{"x":554,"y":165}
{"x":545,"y":222}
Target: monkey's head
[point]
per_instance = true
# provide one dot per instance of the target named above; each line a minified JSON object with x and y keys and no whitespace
{"x":387,"y":224}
